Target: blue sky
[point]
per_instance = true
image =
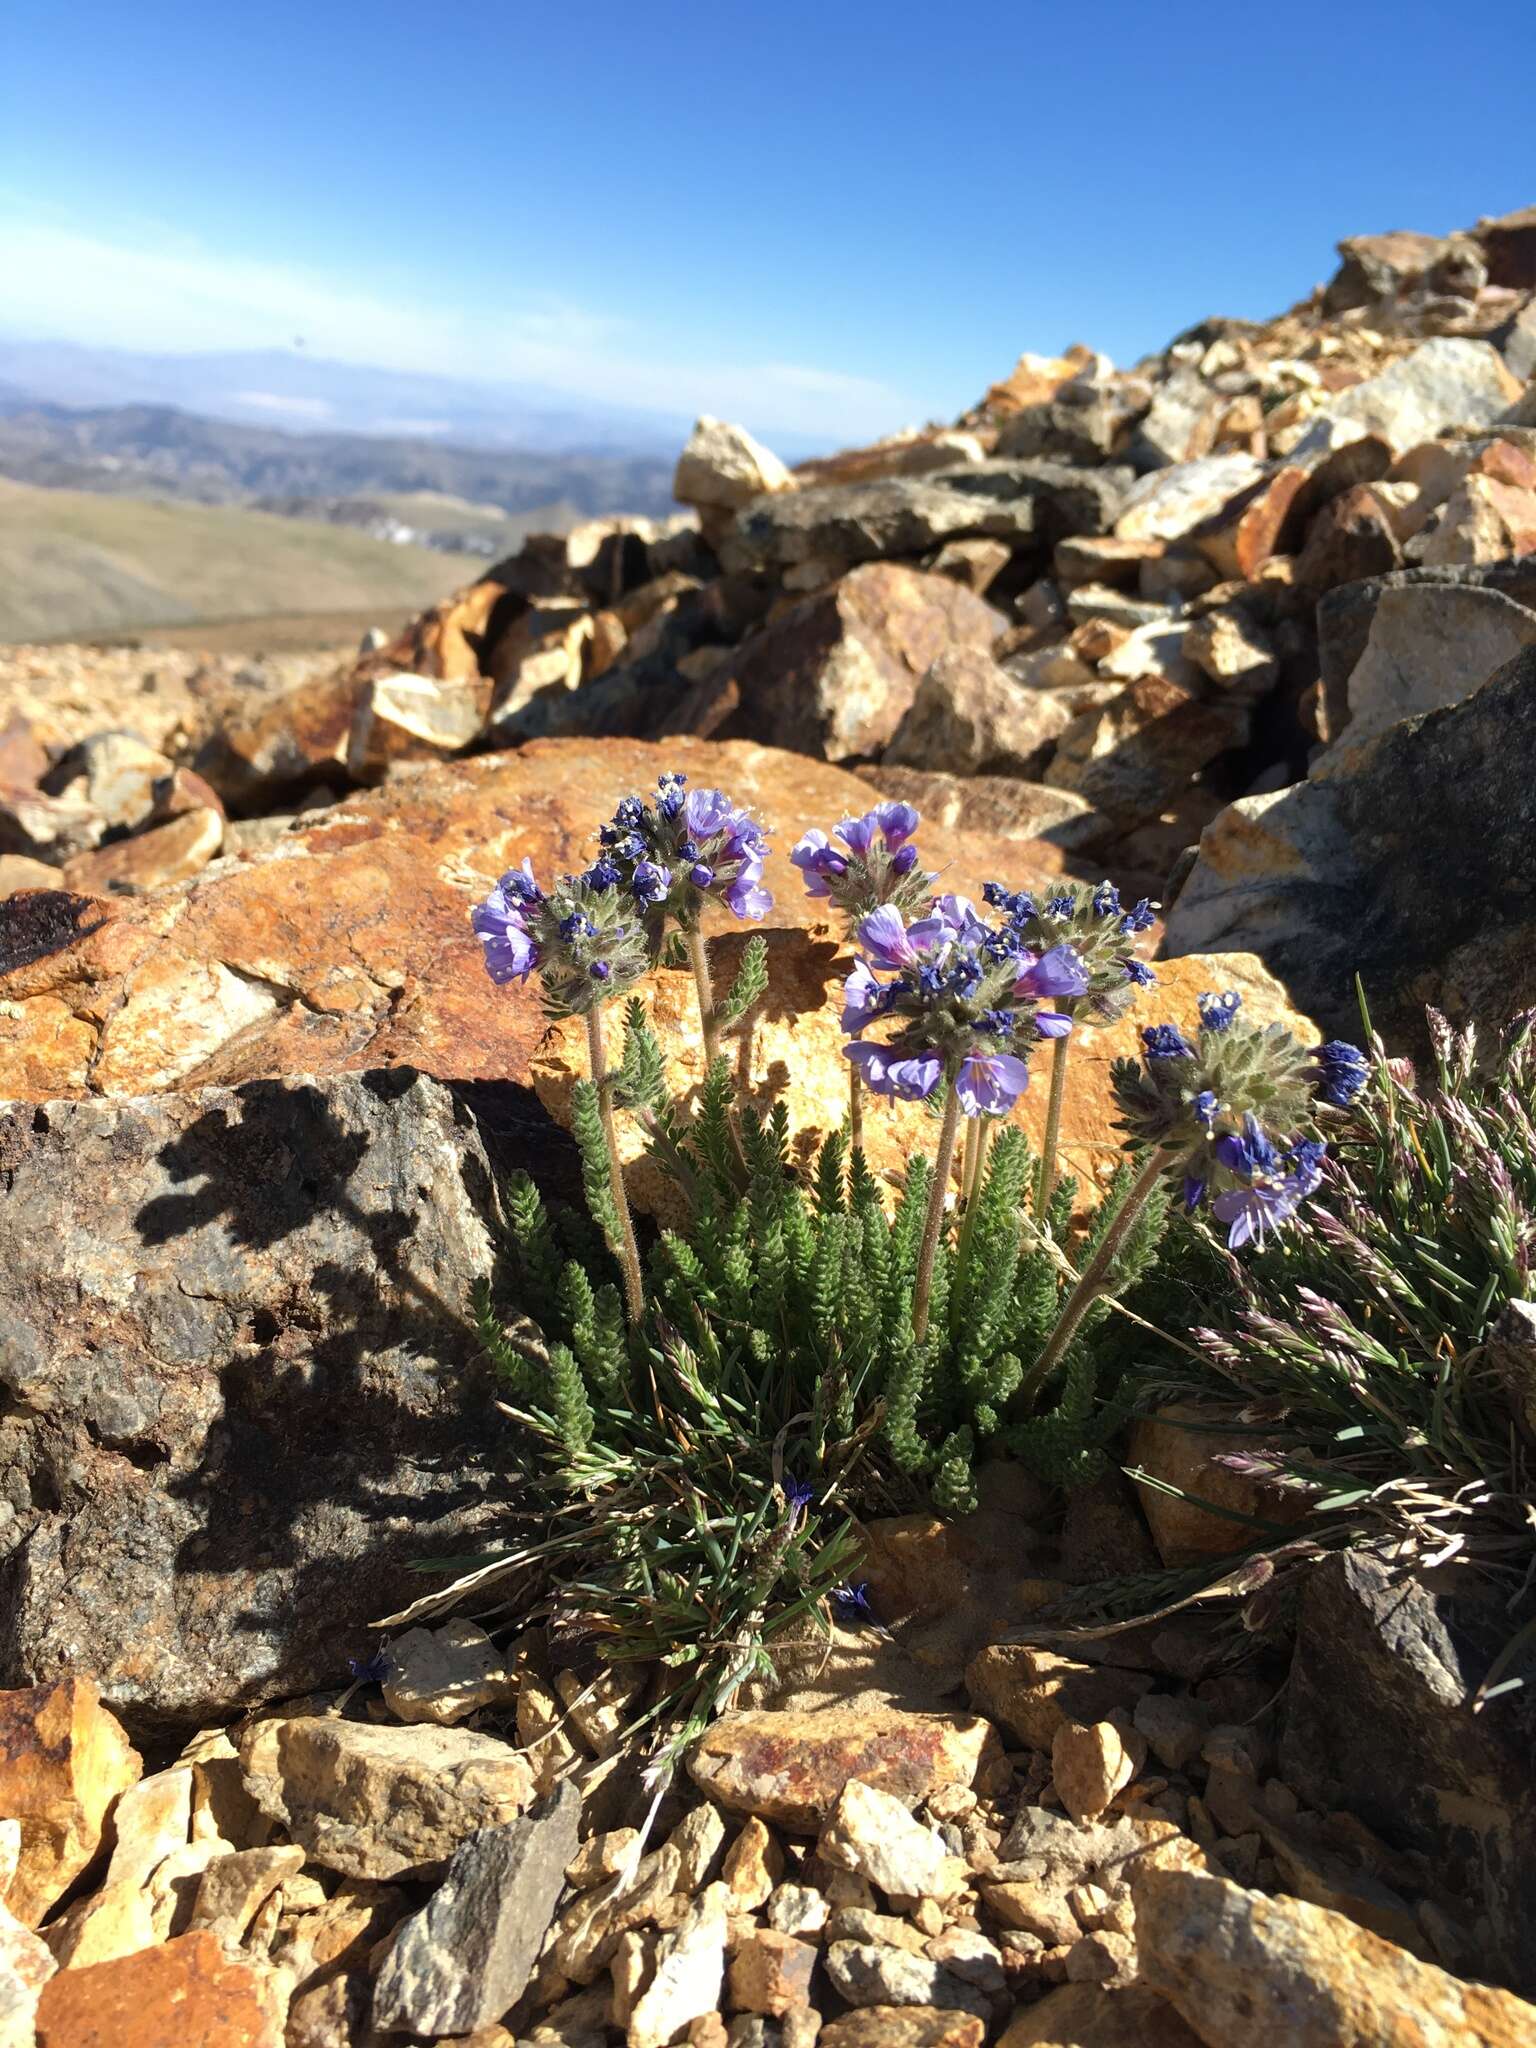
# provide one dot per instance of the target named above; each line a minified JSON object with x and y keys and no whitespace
{"x":827,"y":220}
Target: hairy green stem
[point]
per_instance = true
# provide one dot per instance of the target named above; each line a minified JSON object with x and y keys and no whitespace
{"x":709,"y":1021}
{"x":933,"y":1223}
{"x":629,"y":1250}
{"x":968,"y":1159}
{"x":1045,"y":1187}
{"x":1095,"y":1275}
{"x":978,"y":1142}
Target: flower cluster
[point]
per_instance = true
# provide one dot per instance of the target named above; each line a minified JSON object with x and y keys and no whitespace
{"x":1099,"y":929}
{"x":585,"y":937}
{"x":1221,"y":1105}
{"x":688,"y":846}
{"x":970,"y":1000}
{"x":880,"y":865}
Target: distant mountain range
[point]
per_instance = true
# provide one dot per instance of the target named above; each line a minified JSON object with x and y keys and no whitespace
{"x":159,"y":451}
{"x":306,"y":394}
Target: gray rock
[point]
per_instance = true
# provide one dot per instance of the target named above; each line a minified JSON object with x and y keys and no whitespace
{"x":689,"y":1973}
{"x":1516,"y":342}
{"x":1130,"y":758}
{"x":1167,"y":427}
{"x":1512,"y":1356}
{"x":875,"y":1836}
{"x":236,"y":1353}
{"x":1028,"y":504}
{"x":835,"y":674}
{"x":1450,"y":381}
{"x":723,"y":465}
{"x":1172,"y":502}
{"x":1416,"y":870}
{"x":1430,"y":645}
{"x":114,"y":773}
{"x":1063,"y":433}
{"x":372,"y":1800}
{"x":1175,"y":1726}
{"x":869,"y":1973}
{"x":466,"y":1957}
{"x":1377,"y":267}
{"x":1378,"y":1723}
{"x":1344,"y":618}
{"x":969,"y":717}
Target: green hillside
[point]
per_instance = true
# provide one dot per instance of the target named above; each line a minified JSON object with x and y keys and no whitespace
{"x":74,"y":563}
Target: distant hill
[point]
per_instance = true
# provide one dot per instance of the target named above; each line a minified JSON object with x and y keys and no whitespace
{"x":141,"y":450}
{"x":77,"y":563}
{"x":292,"y":388}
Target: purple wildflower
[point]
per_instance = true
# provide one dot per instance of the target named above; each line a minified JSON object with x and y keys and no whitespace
{"x":1250,"y":1212}
{"x":1249,"y":1154}
{"x":858,"y":834}
{"x":863,"y":997}
{"x":853,"y":1599}
{"x":707,"y":812}
{"x":989,"y":1084}
{"x":500,"y":924}
{"x":888,"y":942}
{"x":650,"y":882}
{"x":371,"y":1670}
{"x":747,"y":898}
{"x":1166,"y":1042}
{"x":959,"y":915}
{"x":817,"y":859}
{"x":1058,"y":975}
{"x":898,"y":822}
{"x":1218,"y":1011}
{"x":1343,"y":1071}
{"x":798,"y":1496}
{"x":910,"y":1078}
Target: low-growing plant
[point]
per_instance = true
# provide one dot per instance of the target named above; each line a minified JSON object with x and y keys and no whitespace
{"x":1382,"y":1349}
{"x":802,"y":1348}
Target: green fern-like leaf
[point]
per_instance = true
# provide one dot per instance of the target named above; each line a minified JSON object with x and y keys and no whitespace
{"x":587,"y":1128}
{"x":569,"y":1406}
{"x":532,"y":1249}
{"x":751,"y":983}
{"x":641,"y":1081}
{"x":831,"y":1163}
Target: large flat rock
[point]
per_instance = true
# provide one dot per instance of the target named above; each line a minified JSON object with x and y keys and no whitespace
{"x":346,"y":945}
{"x":239,"y":1382}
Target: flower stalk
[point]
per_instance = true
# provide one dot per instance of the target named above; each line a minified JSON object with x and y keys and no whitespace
{"x":855,"y":1110}
{"x":628,"y":1249}
{"x":1045,"y":1187}
{"x":709,"y":1016}
{"x":933,"y":1223}
{"x":1096,"y":1274}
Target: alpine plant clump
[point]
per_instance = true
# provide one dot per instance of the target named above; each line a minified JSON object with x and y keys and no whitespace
{"x":1232,"y":1116}
{"x":1389,"y":1349}
{"x":803,"y":1345}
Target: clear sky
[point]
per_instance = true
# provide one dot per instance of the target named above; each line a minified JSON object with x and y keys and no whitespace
{"x":827,"y":219}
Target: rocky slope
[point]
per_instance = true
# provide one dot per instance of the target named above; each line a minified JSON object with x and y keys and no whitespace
{"x":1251,"y":627}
